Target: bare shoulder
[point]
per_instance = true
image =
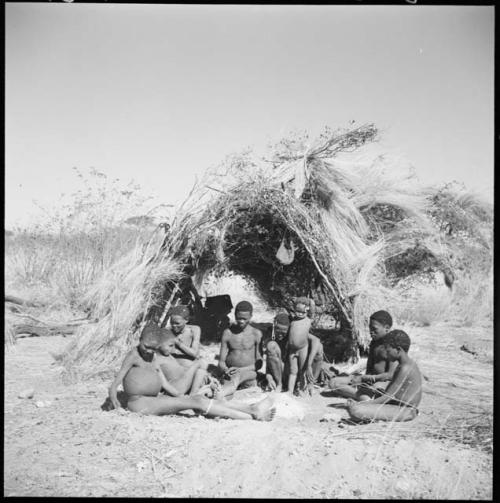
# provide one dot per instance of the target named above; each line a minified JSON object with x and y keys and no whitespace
{"x":132,"y":357}
{"x":226,"y":335}
{"x":257,"y":333}
{"x":195,"y":329}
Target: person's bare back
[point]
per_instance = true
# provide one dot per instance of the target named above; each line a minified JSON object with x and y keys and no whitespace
{"x":409,"y":392}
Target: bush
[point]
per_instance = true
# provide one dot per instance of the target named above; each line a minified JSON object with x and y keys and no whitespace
{"x":76,"y":242}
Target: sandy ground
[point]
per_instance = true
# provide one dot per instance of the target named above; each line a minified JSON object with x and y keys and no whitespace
{"x":70,"y":447}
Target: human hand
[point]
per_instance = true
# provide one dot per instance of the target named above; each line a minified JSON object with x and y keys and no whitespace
{"x":231,"y":371}
{"x":114,"y":400}
{"x":368,"y":379}
{"x":355,"y":380}
{"x":309,"y":374}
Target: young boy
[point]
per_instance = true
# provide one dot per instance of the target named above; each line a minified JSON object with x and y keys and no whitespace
{"x":303,"y":347}
{"x":402,"y":397}
{"x":239,"y":357}
{"x":143,"y":380}
{"x":379,"y":370}
{"x":187,"y":342}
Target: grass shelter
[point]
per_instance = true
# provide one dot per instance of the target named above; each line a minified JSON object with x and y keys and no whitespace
{"x":299,"y":222}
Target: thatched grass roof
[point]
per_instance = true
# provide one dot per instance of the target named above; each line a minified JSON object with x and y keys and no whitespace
{"x":235,"y":219}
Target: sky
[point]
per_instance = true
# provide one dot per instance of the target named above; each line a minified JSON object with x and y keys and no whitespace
{"x":158,"y":93}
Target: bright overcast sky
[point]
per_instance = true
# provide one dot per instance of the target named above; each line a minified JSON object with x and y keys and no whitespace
{"x":157,"y":93}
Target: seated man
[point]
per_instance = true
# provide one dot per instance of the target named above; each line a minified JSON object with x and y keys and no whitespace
{"x":187,"y":343}
{"x":379,"y":371}
{"x":143,"y":380}
{"x":304,"y":349}
{"x":402,"y":397}
{"x":239,"y":357}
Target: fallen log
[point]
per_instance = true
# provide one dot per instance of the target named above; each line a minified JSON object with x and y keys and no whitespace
{"x":21,"y":302}
{"x":42,"y":331}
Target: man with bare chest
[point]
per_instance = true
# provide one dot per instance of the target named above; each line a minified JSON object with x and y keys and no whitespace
{"x":240,"y":357}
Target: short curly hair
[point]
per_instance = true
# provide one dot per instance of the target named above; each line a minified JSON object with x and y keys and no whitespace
{"x":398,"y":339}
{"x":150,"y":333}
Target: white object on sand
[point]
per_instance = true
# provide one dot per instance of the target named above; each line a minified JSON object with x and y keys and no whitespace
{"x":288,"y":407}
{"x":43,"y":403}
{"x":27,"y":393}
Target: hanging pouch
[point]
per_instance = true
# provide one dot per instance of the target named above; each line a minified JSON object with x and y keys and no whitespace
{"x":286,"y":251}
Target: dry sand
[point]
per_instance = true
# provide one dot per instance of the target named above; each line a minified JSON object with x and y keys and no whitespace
{"x":68,"y":446}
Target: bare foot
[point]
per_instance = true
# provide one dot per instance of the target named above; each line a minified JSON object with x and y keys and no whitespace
{"x":205,"y":391}
{"x":217,"y":391}
{"x":264,"y":410}
{"x":270,"y":382}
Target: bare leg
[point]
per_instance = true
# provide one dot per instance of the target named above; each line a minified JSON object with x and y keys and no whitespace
{"x":341,"y":387}
{"x":199,"y":379}
{"x":239,"y":378}
{"x":263,"y":410}
{"x":185,"y":382}
{"x":292,"y":376}
{"x":164,"y":405}
{"x":274,"y":366}
{"x":366,"y":411}
{"x":317,"y":363}
{"x":302,"y":364}
{"x":367,"y":391}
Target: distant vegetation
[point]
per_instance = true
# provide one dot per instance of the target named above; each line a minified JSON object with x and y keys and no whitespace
{"x":60,"y":257}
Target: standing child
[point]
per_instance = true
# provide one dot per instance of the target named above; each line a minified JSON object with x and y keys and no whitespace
{"x":303,"y":347}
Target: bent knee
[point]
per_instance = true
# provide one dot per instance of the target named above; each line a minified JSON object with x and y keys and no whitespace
{"x":273,"y":349}
{"x":319,"y":355}
{"x":356,"y":411}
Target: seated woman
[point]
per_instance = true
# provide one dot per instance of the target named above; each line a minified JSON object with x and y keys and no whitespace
{"x":187,"y":343}
{"x":143,"y":381}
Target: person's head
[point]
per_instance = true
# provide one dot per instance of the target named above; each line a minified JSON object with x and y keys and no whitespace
{"x":149,"y":341}
{"x":380,"y":324}
{"x":396,"y":342}
{"x":167,"y":342}
{"x":300,"y":308}
{"x":179,"y":316}
{"x":281,"y":324}
{"x":243,"y":313}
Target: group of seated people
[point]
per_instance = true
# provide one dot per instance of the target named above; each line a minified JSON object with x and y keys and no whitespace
{"x":165,"y":374}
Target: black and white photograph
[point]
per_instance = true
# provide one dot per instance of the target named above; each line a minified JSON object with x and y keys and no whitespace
{"x":249,"y":250}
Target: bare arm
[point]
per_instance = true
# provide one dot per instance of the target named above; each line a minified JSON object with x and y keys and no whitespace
{"x":194,"y":350}
{"x":127,"y":364}
{"x":224,"y":349}
{"x":383,"y":376}
{"x":165,"y":385}
{"x":314,"y":343}
{"x":394,"y":386}
{"x":258,"y":356}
